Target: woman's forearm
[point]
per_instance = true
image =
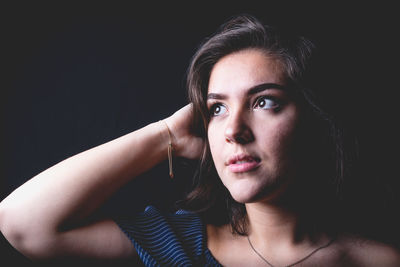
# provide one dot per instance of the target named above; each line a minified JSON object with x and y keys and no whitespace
{"x":71,"y":190}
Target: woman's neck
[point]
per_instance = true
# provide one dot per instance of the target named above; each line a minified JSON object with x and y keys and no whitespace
{"x":277,"y":227}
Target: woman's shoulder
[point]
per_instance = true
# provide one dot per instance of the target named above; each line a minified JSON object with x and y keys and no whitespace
{"x":346,"y":250}
{"x":361,"y":251}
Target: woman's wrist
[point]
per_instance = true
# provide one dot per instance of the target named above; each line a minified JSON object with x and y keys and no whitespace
{"x":169,"y":132}
{"x":169,"y":149}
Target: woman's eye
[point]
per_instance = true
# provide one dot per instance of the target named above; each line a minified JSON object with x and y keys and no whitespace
{"x":217,"y":109}
{"x":265,"y":102}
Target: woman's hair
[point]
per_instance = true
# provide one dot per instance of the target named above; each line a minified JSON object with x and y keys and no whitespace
{"x":325,"y":150}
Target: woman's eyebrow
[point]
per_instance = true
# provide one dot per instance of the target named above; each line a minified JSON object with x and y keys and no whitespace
{"x":264,"y":86}
{"x":253,"y":90}
{"x":216,"y":96}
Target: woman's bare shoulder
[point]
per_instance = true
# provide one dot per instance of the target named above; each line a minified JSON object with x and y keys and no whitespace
{"x":367,"y":252}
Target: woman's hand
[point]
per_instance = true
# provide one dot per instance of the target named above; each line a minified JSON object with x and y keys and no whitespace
{"x":185,"y":143}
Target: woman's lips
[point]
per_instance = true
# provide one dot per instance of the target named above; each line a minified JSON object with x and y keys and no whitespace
{"x":243,"y":163}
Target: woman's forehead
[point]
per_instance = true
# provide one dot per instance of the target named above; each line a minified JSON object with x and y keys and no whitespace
{"x":243,"y":70}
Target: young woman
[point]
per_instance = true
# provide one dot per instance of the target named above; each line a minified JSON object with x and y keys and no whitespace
{"x":272,"y":160}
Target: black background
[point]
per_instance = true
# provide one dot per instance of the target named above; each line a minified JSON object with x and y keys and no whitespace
{"x":77,"y":75}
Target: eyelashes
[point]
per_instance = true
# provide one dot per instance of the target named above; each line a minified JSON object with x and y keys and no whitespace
{"x":262,"y":102}
{"x":267,"y":102}
{"x":217,"y":109}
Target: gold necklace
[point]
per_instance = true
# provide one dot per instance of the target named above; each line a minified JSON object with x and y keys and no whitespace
{"x":297,"y":262}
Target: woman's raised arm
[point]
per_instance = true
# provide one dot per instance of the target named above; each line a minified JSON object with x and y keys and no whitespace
{"x":49,"y":215}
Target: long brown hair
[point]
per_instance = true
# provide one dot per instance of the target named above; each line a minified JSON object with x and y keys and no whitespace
{"x":209,"y":197}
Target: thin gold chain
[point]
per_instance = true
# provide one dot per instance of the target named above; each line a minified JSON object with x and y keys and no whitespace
{"x":171,"y":173}
{"x":297,"y":262}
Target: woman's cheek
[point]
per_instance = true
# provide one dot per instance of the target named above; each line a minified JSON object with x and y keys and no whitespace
{"x":283,"y":143}
{"x":213,"y":144}
{"x":213,"y":135}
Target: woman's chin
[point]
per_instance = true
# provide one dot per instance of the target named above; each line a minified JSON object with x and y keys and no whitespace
{"x":243,"y":195}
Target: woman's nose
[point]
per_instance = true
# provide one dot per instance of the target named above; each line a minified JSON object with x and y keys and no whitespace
{"x":237,"y":129}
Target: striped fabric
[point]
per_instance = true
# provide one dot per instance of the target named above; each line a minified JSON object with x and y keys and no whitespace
{"x":168,"y":239}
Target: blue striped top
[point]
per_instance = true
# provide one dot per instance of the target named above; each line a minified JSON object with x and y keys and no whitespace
{"x":175,"y":239}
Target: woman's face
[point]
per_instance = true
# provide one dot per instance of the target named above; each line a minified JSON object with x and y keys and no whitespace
{"x":252,"y":126}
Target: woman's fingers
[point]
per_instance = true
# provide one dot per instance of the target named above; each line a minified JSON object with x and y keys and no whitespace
{"x":185,"y":144}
